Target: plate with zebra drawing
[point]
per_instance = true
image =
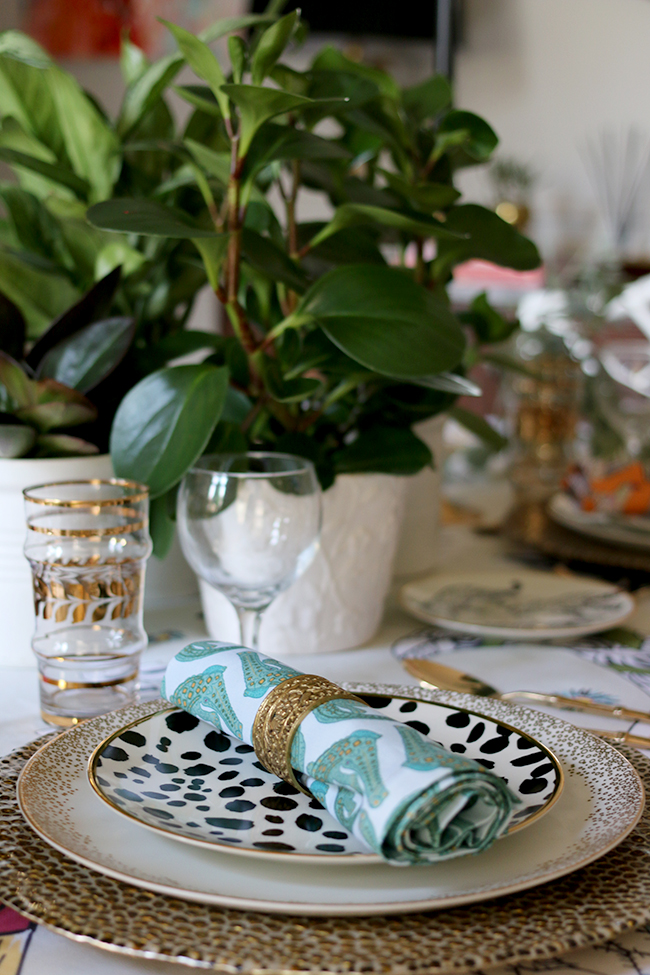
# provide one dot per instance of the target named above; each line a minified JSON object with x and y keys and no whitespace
{"x":174,"y":773}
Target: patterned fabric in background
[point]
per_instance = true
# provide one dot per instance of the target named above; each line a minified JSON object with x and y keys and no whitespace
{"x":621,"y":649}
{"x":400,"y":793}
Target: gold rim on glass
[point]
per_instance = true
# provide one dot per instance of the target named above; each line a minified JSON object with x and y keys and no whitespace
{"x":141,"y":493}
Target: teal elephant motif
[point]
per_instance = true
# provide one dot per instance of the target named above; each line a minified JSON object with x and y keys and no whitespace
{"x":319,"y":791}
{"x":195,"y":651}
{"x":346,"y":808}
{"x":422,"y":755}
{"x":260,"y":675}
{"x":353,"y":762}
{"x":342,"y":708}
{"x":205,"y":696}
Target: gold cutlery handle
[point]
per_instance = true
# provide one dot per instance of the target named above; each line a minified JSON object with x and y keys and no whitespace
{"x":621,"y":738}
{"x":578,"y":704}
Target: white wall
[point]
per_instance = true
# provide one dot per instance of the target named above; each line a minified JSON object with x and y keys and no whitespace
{"x":548,"y":75}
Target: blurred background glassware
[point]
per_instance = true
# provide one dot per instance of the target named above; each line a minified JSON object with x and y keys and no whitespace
{"x":542,"y":401}
{"x":87,"y":545}
{"x":249,"y":525}
{"x":622,"y":390}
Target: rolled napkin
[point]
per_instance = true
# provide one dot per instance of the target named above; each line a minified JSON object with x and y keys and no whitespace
{"x":407,"y":798}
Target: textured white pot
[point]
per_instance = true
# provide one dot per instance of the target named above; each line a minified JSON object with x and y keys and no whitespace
{"x":338,"y":602}
{"x":16,"y":601}
{"x":416,"y":549}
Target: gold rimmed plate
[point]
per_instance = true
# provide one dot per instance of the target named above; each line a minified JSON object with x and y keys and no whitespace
{"x":601,"y":802}
{"x":175,"y":774}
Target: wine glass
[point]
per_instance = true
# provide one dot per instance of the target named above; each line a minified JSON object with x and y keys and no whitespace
{"x":249,"y":525}
{"x":623,"y":391}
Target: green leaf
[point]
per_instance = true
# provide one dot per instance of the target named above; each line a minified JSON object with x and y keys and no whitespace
{"x":91,"y":145}
{"x":427,"y":196}
{"x":481,"y":140}
{"x":163,"y":424}
{"x":16,"y":381}
{"x":487,"y":237}
{"x":258,"y":104}
{"x":39,"y":295}
{"x":63,"y":445}
{"x":86,"y":358}
{"x":267,"y":258}
{"x":93,"y":305}
{"x":202,"y":62}
{"x":449,"y":382}
{"x":330,"y":58}
{"x":379,"y":317}
{"x":133,"y":61}
{"x":213,"y":250}
{"x":479,"y":426}
{"x":16,"y":440}
{"x":236,"y":408}
{"x":216,"y":164}
{"x":289,"y":390}
{"x":383,"y":450}
{"x":352,"y":245}
{"x":226,"y":439}
{"x":486,"y":321}
{"x":428,"y":99}
{"x":144,"y":92}
{"x":238,"y":57}
{"x":51,"y":171}
{"x":200,"y":96}
{"x":54,"y":405}
{"x":118,"y":254}
{"x":271,"y":44}
{"x":13,"y":330}
{"x":286,"y":142}
{"x":352,"y":214}
{"x":162,"y":527}
{"x":142,"y":216}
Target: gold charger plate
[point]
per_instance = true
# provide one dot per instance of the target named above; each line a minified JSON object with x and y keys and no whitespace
{"x":586,"y":907}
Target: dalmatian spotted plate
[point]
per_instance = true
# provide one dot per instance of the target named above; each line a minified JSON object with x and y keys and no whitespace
{"x":174,"y":773}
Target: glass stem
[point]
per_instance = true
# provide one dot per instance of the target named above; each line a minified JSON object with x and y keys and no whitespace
{"x":249,"y":626}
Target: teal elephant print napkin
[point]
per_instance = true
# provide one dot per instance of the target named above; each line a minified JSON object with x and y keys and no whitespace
{"x":403,"y":795}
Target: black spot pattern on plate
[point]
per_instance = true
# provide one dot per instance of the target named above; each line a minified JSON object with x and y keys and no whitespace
{"x":458,"y":720}
{"x":180,"y":721}
{"x":133,"y":738}
{"x":274,"y":816}
{"x":217,"y":741}
{"x":115,"y":753}
{"x":419,"y":726}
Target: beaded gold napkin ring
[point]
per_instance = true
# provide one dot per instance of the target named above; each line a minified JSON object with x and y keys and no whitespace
{"x":280,"y":715}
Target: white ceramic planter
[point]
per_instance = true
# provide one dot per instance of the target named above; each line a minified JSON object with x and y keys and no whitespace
{"x":16,"y":601}
{"x":338,"y":602}
{"x":416,"y":548}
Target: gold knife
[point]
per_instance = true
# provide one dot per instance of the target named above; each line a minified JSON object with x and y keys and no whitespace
{"x":450,"y":679}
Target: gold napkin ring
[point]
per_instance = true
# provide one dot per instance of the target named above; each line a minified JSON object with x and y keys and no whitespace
{"x":280,"y":715}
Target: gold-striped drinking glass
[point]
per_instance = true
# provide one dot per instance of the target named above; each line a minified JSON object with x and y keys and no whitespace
{"x":87,"y":545}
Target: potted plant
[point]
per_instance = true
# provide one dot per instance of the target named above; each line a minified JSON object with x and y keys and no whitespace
{"x":329,"y":351}
{"x":78,"y":307}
